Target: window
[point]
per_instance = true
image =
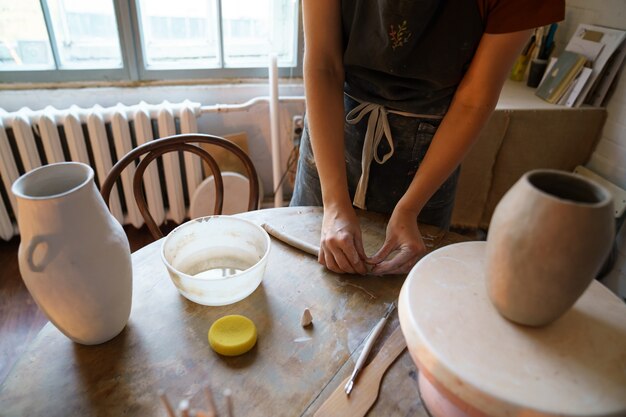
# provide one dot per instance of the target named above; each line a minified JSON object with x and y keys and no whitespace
{"x":117,"y":40}
{"x":84,"y":33}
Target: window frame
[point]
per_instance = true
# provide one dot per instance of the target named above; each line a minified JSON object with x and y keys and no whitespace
{"x":133,"y":69}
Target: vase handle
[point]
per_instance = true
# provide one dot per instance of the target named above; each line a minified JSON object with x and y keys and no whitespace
{"x":34,"y":243}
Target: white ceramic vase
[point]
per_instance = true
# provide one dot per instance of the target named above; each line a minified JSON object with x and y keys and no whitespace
{"x":74,"y":257}
{"x":547,"y":241}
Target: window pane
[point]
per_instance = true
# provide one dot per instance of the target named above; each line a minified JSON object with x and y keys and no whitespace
{"x":24,"y":41}
{"x":86,"y":33}
{"x":255,"y":28}
{"x":179,"y":35}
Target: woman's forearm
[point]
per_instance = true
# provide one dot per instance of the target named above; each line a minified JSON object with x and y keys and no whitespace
{"x":323,"y":84}
{"x":456,"y":134}
{"x":324,"y":100}
{"x":470,"y":109}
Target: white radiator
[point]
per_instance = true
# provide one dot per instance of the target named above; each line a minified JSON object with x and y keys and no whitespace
{"x":98,"y":136}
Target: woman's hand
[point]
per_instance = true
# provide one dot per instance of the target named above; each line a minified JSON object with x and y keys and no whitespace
{"x":341,"y":246}
{"x":404,"y":237}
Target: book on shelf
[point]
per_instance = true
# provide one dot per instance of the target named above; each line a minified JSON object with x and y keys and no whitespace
{"x":560,"y":76}
{"x":576,"y":86}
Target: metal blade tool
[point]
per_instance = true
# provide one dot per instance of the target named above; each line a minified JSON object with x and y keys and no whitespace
{"x":369,"y":343}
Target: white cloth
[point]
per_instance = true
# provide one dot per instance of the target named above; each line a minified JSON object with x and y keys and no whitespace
{"x":377,"y":126}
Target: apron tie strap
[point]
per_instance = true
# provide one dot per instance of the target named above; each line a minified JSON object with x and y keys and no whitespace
{"x":377,"y":126}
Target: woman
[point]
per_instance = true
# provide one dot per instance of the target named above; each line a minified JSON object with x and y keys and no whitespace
{"x":396,"y":93}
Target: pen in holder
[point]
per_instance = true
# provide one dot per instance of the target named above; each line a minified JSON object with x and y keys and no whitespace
{"x":539,"y":63}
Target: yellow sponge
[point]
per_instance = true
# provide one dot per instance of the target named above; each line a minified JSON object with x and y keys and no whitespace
{"x":232,"y":335}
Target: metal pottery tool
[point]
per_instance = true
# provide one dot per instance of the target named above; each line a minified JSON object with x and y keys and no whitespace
{"x":358,"y":404}
{"x":369,"y":343}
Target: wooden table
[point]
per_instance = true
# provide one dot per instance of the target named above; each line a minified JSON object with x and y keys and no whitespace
{"x":290,"y":372}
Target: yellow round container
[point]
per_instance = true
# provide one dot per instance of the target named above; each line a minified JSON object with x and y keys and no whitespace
{"x":232,"y":335}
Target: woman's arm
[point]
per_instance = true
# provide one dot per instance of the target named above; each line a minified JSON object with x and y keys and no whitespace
{"x":473,"y":103}
{"x":341,"y":248}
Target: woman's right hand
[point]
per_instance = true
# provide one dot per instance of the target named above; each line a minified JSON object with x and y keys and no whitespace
{"x":341,"y":245}
{"x":341,"y":248}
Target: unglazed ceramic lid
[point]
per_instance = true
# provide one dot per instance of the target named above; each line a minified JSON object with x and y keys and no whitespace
{"x":575,"y":366}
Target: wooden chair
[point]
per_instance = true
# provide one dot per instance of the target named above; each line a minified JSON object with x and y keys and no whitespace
{"x":185,"y":143}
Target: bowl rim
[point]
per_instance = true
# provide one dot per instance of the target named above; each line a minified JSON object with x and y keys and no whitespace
{"x":260,"y":262}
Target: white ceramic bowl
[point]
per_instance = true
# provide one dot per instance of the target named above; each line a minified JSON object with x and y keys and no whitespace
{"x":216,"y":260}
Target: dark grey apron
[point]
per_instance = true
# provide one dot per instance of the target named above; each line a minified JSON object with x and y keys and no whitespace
{"x":408,"y":55}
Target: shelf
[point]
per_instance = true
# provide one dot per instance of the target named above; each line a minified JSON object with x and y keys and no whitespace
{"x":516,"y":95}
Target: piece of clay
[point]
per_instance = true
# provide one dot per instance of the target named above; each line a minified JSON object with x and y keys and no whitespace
{"x":307,"y":318}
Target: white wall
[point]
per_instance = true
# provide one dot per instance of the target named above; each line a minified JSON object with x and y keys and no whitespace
{"x":609,"y":158}
{"x":255,"y":122}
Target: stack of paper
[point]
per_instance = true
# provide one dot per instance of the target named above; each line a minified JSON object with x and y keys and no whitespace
{"x":605,"y":50}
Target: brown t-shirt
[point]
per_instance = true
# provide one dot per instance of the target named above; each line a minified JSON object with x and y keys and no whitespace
{"x":411,"y":55}
{"x":504,"y":16}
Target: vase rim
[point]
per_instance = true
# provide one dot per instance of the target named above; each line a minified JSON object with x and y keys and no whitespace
{"x":603,"y":196}
{"x":36,"y":175}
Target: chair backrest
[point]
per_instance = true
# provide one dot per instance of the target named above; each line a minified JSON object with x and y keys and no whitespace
{"x":185,"y":143}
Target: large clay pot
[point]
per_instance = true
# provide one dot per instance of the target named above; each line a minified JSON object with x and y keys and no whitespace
{"x":74,"y":257}
{"x":547,"y":240}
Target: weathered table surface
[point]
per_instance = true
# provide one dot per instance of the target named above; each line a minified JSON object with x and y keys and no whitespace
{"x":290,"y":372}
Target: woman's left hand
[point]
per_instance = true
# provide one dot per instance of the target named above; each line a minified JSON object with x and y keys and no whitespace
{"x":404,"y":237}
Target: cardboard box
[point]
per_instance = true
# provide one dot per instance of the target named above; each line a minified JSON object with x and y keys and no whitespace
{"x":519,"y":138}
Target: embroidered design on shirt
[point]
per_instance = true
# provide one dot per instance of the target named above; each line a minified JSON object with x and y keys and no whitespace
{"x":399,"y":35}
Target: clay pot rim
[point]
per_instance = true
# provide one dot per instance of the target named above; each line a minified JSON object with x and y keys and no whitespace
{"x":18,"y":186}
{"x":604,"y":196}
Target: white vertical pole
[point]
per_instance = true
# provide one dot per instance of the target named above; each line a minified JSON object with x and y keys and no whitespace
{"x":274,"y":130}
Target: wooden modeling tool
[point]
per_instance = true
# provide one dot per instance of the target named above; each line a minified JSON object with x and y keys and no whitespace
{"x":184,"y":409}
{"x":211,"y":409}
{"x":365,"y":394}
{"x":166,"y":403}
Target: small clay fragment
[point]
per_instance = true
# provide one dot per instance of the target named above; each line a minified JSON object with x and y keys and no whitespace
{"x":307,"y":318}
